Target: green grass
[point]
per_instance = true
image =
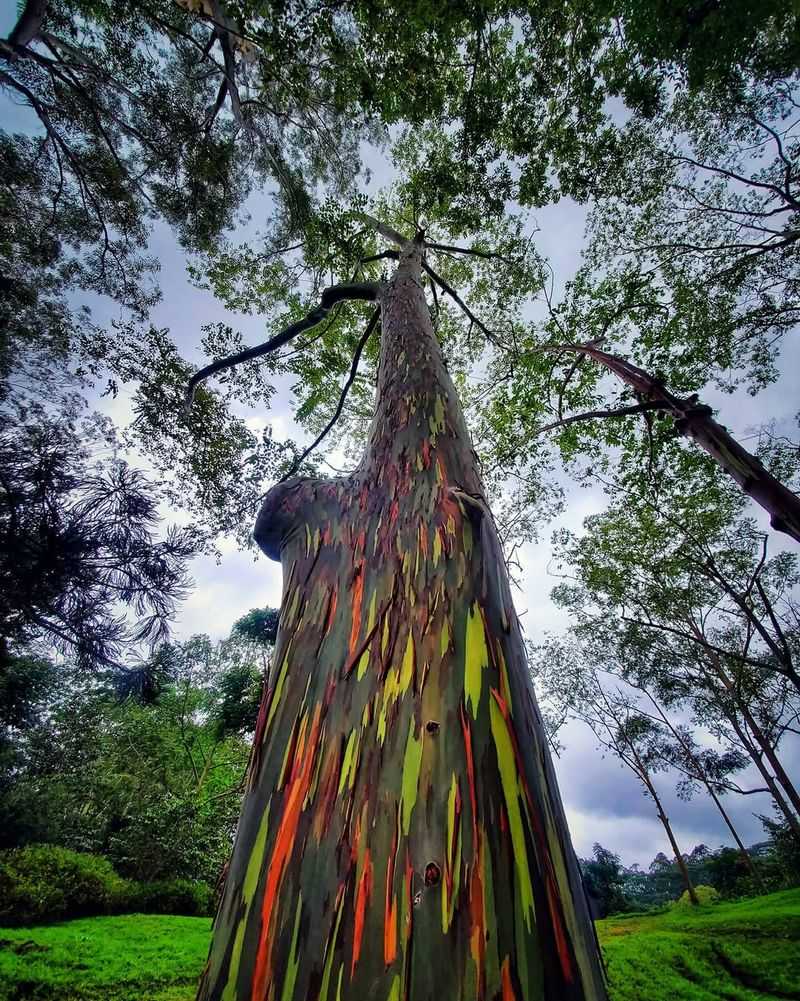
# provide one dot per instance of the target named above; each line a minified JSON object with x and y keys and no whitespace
{"x":133,"y":957}
{"x":747,"y":951}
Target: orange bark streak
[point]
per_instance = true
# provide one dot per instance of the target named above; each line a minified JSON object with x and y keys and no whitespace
{"x":390,"y":908}
{"x":362,"y":896}
{"x":358,"y":592}
{"x":284,"y":841}
{"x":553,"y":899}
{"x":505,"y":979}
{"x":558,"y":928}
{"x":470,"y":777}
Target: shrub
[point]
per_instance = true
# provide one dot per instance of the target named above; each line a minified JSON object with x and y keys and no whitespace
{"x":44,"y":883}
{"x":174,"y":896}
{"x":705,"y":895}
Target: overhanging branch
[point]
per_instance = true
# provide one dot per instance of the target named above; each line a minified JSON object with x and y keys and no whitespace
{"x":459,"y":302}
{"x":336,"y":293}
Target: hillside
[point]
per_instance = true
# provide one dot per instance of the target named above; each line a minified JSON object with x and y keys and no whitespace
{"x":744,"y":951}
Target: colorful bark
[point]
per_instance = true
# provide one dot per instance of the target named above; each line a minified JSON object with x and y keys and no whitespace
{"x":402,"y":836}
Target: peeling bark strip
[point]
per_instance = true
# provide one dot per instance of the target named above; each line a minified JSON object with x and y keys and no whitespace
{"x":402,"y":837}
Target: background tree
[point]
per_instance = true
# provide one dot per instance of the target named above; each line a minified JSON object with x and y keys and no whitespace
{"x":565,"y":680}
{"x":79,"y":543}
{"x":151,"y":780}
{"x":603,"y":879}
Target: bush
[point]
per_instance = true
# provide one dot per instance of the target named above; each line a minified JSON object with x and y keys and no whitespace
{"x":45,"y":883}
{"x":704,"y":894}
{"x":173,"y":896}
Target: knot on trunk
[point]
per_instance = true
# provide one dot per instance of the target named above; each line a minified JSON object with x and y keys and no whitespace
{"x":280,"y":514}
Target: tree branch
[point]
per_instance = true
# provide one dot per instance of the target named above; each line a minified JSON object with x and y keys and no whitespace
{"x":387,"y":232}
{"x":373,"y":320}
{"x":460,"y":302}
{"x":639,"y":408}
{"x":29,"y":24}
{"x":336,"y":293}
{"x":485,"y":254}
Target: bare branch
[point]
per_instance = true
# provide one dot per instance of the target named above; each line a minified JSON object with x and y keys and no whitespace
{"x":638,"y":408}
{"x":460,"y":302}
{"x":387,"y":232}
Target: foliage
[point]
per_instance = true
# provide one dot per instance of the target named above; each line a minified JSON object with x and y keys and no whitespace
{"x":151,"y":782}
{"x":785,"y":851}
{"x":170,"y":896}
{"x":43,"y":883}
{"x":603,"y":880}
{"x":78,"y":542}
{"x":704,"y":894}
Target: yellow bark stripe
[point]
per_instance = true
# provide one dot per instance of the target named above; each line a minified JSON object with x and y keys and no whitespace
{"x":249,"y":886}
{"x":512,"y":793}
{"x":476,"y":658}
{"x":411,"y":766}
{"x":294,"y":962}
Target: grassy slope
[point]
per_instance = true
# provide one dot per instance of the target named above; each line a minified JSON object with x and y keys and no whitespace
{"x":749,"y":951}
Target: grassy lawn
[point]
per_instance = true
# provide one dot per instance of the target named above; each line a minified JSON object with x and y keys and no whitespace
{"x":747,"y":951}
{"x":133,"y":957}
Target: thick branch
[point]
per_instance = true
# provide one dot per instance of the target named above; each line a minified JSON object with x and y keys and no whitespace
{"x":387,"y":232}
{"x":459,"y":302}
{"x":230,"y":63}
{"x":332,"y":295}
{"x":694,"y":420}
{"x":469,"y":251}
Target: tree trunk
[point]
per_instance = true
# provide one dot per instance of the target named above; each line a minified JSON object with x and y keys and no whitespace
{"x":644,"y":775}
{"x":756,"y":756}
{"x":402,"y":835}
{"x":759,"y":737}
{"x":701,"y":774}
{"x":745,"y":854}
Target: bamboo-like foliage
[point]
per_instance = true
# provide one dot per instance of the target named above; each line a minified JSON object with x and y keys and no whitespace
{"x":402,"y":835}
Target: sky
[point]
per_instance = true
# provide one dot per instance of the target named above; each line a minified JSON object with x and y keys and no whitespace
{"x":604,"y":802}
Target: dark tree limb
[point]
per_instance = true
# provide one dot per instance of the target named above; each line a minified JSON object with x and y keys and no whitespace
{"x":224,"y":35}
{"x":638,"y":408}
{"x":487,"y":255}
{"x":373,"y":321}
{"x":336,"y":293}
{"x":459,"y":302}
{"x":29,"y":23}
{"x":384,"y":255}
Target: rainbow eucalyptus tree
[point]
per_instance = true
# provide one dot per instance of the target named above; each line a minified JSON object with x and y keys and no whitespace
{"x":402,"y":835}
